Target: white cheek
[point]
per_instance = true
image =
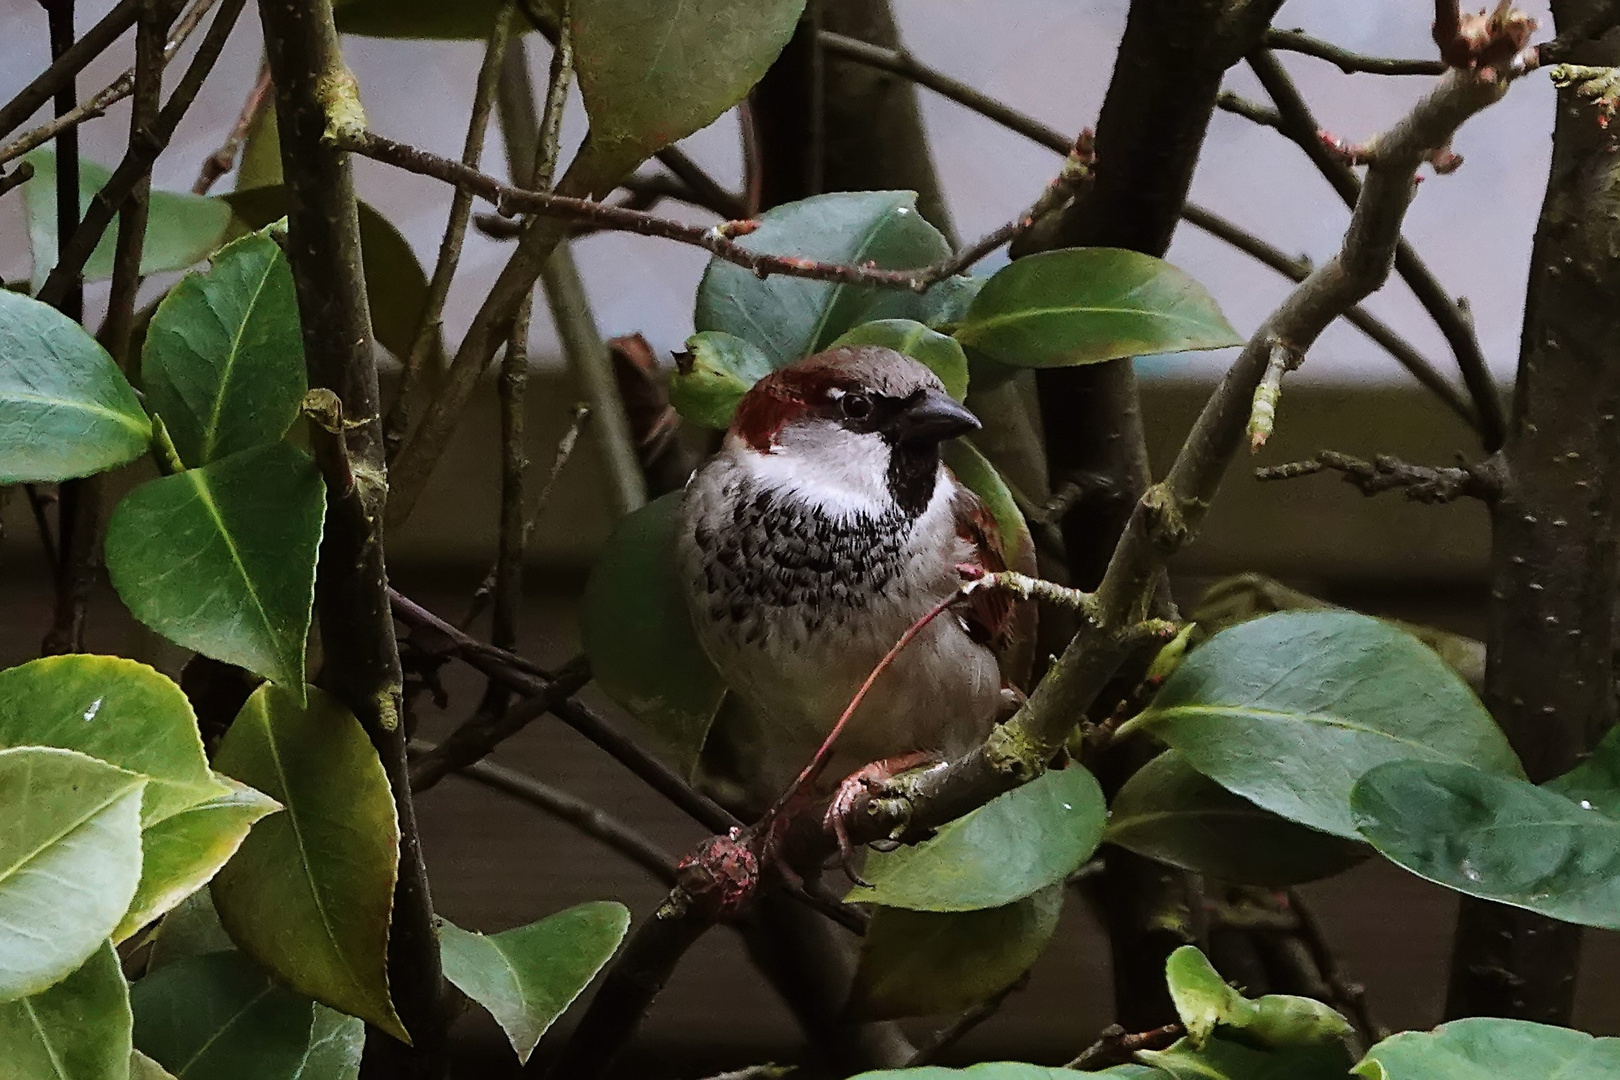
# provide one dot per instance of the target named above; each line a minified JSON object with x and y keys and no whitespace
{"x":844,"y":475}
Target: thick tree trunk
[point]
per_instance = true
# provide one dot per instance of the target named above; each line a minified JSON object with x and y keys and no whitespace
{"x":1549,"y":677}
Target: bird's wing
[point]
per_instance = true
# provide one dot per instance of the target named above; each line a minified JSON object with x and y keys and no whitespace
{"x":994,"y":617}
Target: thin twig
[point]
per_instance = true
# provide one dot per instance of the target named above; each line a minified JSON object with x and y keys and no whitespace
{"x":1252,"y":111}
{"x":1301,"y":127}
{"x":223,"y":160}
{"x":1350,"y":994}
{"x":1420,"y":483}
{"x":119,"y":89}
{"x":397,"y":419}
{"x":928,"y":1050}
{"x":1346,"y":61}
{"x":137,"y":162}
{"x":1116,"y":1046}
{"x":701,"y":188}
{"x":92,"y":44}
{"x":590,"y":820}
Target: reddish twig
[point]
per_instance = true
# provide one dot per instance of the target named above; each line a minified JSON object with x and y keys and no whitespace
{"x":1115,"y":1045}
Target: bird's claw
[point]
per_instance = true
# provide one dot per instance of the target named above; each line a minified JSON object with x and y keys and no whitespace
{"x":857,"y":790}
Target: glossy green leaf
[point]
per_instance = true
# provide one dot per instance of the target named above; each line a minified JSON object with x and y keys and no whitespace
{"x":223,"y":363}
{"x":1486,"y":1048}
{"x":181,"y":228}
{"x":527,"y":976}
{"x":1289,"y":710}
{"x":638,"y":633}
{"x":713,"y":375}
{"x":118,"y":710}
{"x":65,"y":408}
{"x":142,"y":1067}
{"x":1494,"y":836}
{"x":1595,"y":782}
{"x":1169,"y":811}
{"x":70,"y":856}
{"x":938,"y":352}
{"x":918,"y":963}
{"x":78,"y":1029}
{"x":396,"y":285}
{"x":1082,"y":305}
{"x":220,"y":1017}
{"x":653,"y":72}
{"x":464,"y":19}
{"x":221,"y":559}
{"x":1012,"y":847}
{"x":792,"y":317}
{"x":1220,"y":1059}
{"x":336,"y":1043}
{"x":181,"y":853}
{"x":1205,"y":1002}
{"x":190,"y":929}
{"x":310,"y":891}
{"x":1008,"y":1070}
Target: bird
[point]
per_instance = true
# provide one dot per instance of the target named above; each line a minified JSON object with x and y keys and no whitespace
{"x":824,"y":527}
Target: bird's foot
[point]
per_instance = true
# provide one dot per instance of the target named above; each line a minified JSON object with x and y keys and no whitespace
{"x":858,"y":788}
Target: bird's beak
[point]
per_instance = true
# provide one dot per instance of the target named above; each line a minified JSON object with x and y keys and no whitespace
{"x":932,"y":416}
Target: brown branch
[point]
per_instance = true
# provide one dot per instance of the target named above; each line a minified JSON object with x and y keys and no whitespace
{"x":1349,"y":62}
{"x":1252,"y":111}
{"x":929,"y":1050}
{"x":1598,"y":21}
{"x":17,"y":177}
{"x":590,"y":820}
{"x":144,"y":148}
{"x":1420,"y":483}
{"x":1301,"y":127}
{"x":65,"y":67}
{"x":119,"y":89}
{"x":1116,"y":1046}
{"x":701,"y":189}
{"x":223,"y":160}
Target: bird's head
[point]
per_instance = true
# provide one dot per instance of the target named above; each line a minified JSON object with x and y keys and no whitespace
{"x":854,"y":430}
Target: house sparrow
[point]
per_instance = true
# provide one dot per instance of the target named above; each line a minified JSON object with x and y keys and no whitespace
{"x":822,"y":530}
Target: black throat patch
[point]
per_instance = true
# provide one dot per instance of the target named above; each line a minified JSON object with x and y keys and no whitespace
{"x":913,"y":470}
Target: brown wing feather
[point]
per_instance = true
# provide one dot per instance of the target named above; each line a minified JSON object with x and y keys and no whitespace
{"x":996,"y":618}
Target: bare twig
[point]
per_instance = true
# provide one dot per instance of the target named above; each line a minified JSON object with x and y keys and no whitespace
{"x":590,"y":820}
{"x":1346,"y":61}
{"x":928,"y":1050}
{"x":65,"y":67}
{"x":137,"y":162}
{"x":1351,"y":995}
{"x":428,"y":329}
{"x":1420,"y":483}
{"x":701,"y":188}
{"x":1115,"y":1046}
{"x":1598,"y":21}
{"x":119,"y":89}
{"x":1301,"y":127}
{"x":223,"y":160}
{"x":1252,"y":111}
{"x":17,"y":177}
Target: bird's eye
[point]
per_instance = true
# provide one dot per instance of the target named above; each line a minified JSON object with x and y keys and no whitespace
{"x":855,"y":406}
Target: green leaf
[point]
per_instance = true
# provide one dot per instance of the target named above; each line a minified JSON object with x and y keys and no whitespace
{"x":221,"y":559}
{"x":1007,"y":1070}
{"x":1014,"y":846}
{"x":527,"y":976}
{"x":1481,"y":1048}
{"x":181,"y":853}
{"x":181,"y":228}
{"x":396,"y":286}
{"x":1494,"y":836}
{"x":653,"y":72}
{"x":1204,"y":1002}
{"x":464,"y":19}
{"x":78,"y":1029}
{"x":791,"y":317}
{"x":65,"y":408}
{"x":918,"y":963}
{"x":970,"y":466}
{"x":309,"y":893}
{"x":938,"y":352}
{"x":335,"y":1045}
{"x":1289,"y":710}
{"x":1168,"y":811}
{"x":638,"y":632}
{"x":191,"y":929}
{"x":1222,"y":1060}
{"x":219,"y":1017}
{"x":1082,"y":305}
{"x":712,"y":377}
{"x":142,"y":1067}
{"x":223,"y":363}
{"x":1595,"y":782}
{"x":70,"y":855}
{"x":120,"y":711}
